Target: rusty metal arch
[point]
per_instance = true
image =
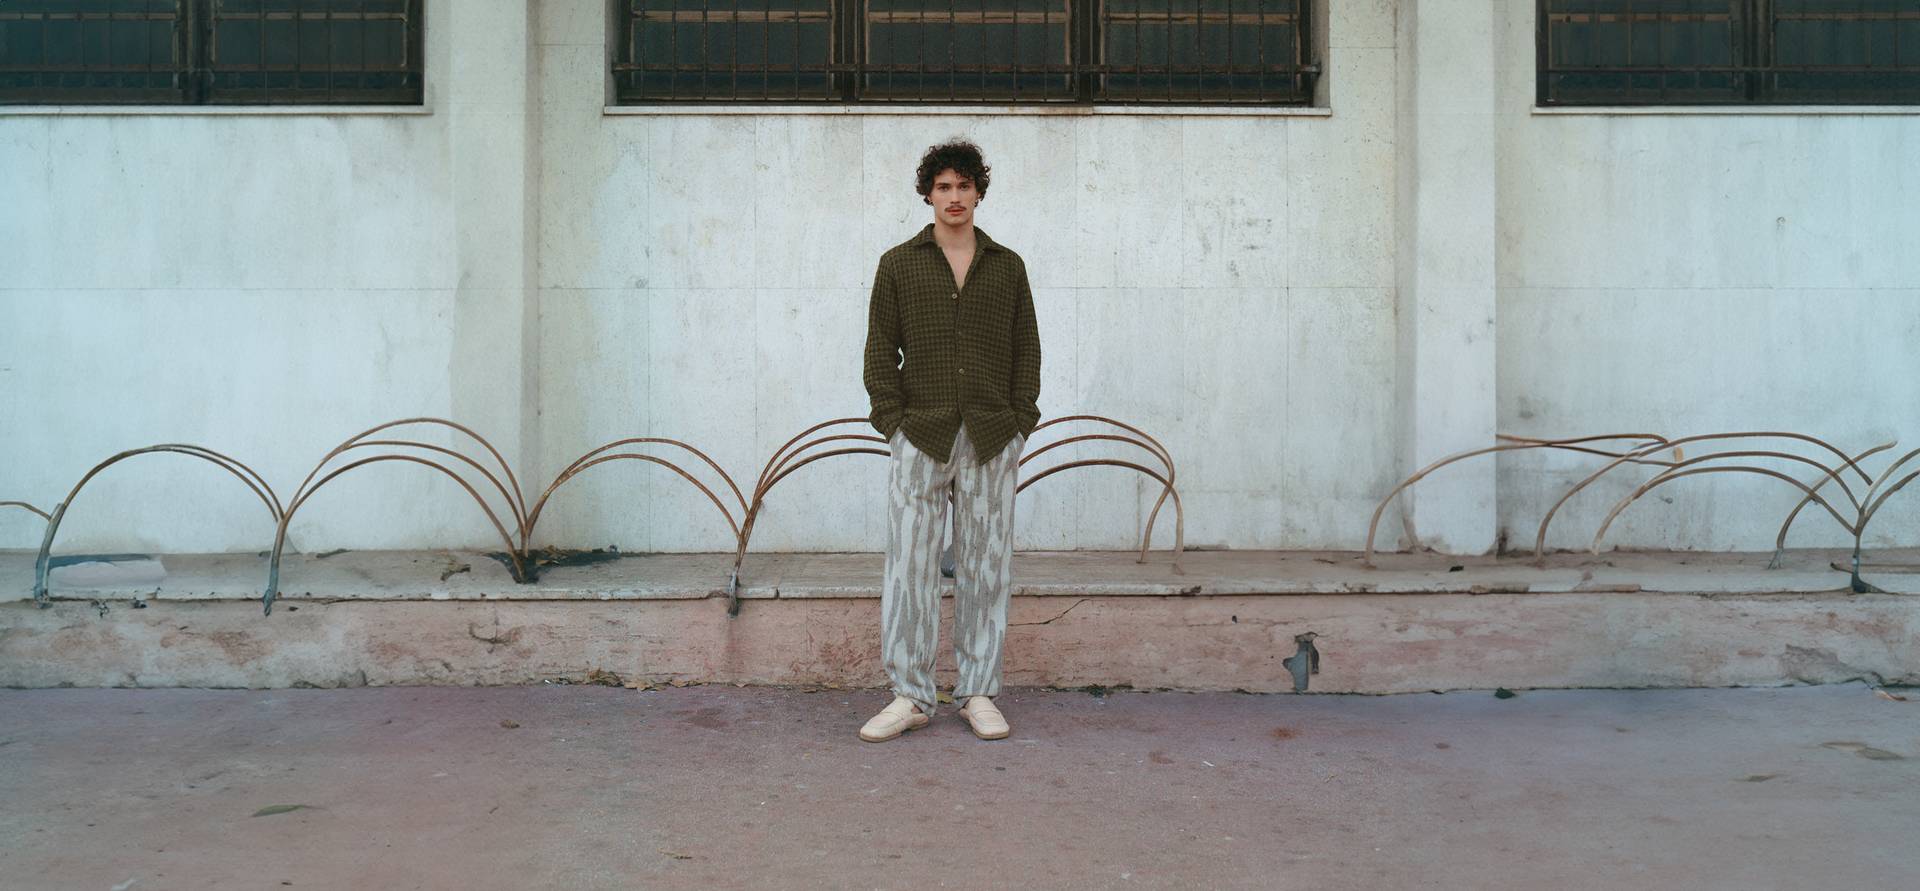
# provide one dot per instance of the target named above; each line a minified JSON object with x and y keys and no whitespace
{"x":245,"y":474}
{"x":1874,"y":503}
{"x":588,"y":460}
{"x":780,"y":465}
{"x":1166,"y":487}
{"x":521,"y":523}
{"x":280,"y":535}
{"x":788,"y":458}
{"x":1511,"y":444}
{"x":28,"y":507}
{"x":595,"y":457}
{"x":515,"y":497}
{"x":1675,"y":474}
{"x":1638,"y":456}
{"x":509,"y":491}
{"x":1179,"y":511}
{"x":1780,"y":540}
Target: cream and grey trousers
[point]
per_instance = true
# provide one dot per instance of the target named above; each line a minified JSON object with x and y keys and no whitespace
{"x":983,"y":496}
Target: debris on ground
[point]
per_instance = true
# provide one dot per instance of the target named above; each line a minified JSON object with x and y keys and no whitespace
{"x":1504,"y":693}
{"x":509,"y":723}
{"x":539,"y":559}
{"x":603,"y":678}
{"x":273,"y":809}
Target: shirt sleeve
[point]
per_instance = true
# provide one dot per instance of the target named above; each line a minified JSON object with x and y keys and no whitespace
{"x":882,"y":367}
{"x":1024,"y":384}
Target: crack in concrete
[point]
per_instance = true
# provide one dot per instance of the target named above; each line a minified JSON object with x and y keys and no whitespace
{"x":496,"y":639}
{"x":1063,"y":614}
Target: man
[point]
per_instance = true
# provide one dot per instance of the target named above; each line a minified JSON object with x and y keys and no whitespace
{"x":953,"y":374}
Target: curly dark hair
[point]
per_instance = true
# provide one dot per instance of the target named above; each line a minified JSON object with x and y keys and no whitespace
{"x":957,"y":155}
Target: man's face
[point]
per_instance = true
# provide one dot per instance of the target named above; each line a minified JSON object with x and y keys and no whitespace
{"x":953,"y":198}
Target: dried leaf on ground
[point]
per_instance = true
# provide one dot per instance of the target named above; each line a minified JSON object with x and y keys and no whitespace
{"x":272,"y":809}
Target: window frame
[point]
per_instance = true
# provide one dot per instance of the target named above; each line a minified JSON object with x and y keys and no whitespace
{"x":1752,"y":60}
{"x":194,"y":77}
{"x":1084,"y":68}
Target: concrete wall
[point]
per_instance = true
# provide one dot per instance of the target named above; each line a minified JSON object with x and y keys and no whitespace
{"x":264,"y":284}
{"x":1694,"y":273}
{"x":1302,"y":307}
{"x":1223,"y":282}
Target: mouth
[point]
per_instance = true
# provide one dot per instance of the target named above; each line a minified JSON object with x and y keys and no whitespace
{"x":956,"y":210}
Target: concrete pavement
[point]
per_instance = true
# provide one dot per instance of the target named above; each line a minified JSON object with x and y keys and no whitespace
{"x":704,"y":787}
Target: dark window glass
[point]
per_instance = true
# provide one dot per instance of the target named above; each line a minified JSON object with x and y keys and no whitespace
{"x":1190,"y":51}
{"x":211,"y":51}
{"x":956,"y":49}
{"x":76,"y":51}
{"x":727,"y":49}
{"x":1828,"y":51}
{"x":1655,"y":52}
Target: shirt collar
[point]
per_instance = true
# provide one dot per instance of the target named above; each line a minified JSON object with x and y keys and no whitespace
{"x":980,"y":238}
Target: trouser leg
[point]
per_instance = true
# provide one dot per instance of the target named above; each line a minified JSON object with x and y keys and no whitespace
{"x":910,"y":596}
{"x":983,"y":566}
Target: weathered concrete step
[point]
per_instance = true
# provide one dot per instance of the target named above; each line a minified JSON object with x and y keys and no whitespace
{"x":1229,"y":623}
{"x":472,"y":575}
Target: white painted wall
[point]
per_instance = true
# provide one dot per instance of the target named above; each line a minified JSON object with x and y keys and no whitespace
{"x":1698,"y":273}
{"x":1224,"y":283}
{"x":561,"y":277}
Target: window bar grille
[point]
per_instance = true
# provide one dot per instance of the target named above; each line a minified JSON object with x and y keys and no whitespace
{"x":1226,"y":73}
{"x":1020,"y":58}
{"x":982,"y":60}
{"x":1260,"y":45}
{"x":1134,"y":79}
{"x":927,"y":55}
{"x":360,"y":76}
{"x":299,"y":75}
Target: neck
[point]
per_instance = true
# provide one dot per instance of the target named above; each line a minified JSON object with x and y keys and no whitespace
{"x":949,"y":235}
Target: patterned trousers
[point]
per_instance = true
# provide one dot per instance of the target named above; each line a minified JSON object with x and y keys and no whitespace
{"x":983,"y":496}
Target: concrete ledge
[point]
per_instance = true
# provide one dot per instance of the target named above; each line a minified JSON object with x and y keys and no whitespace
{"x":1072,"y":635}
{"x":472,"y":575}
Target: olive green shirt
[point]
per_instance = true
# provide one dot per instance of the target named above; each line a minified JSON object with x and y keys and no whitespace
{"x":938,"y":355}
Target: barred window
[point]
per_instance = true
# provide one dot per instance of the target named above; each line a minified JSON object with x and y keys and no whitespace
{"x":1675,"y":52}
{"x":210,"y":52}
{"x":1014,"y":51}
